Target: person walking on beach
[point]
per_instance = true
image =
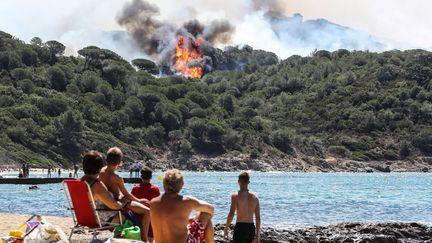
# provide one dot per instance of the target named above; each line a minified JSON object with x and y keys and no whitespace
{"x":170,"y":214}
{"x":75,"y":175}
{"x":246,"y":204}
{"x":146,"y":191}
{"x":49,"y":171}
{"x":116,"y":186}
{"x":59,"y":172}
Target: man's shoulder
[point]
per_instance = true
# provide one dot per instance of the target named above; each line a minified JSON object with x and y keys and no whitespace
{"x":190,"y":199}
{"x":253,"y":195}
{"x":156,"y":200}
{"x":116,"y":177}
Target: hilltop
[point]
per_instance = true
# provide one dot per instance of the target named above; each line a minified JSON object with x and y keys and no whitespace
{"x":356,"y":106}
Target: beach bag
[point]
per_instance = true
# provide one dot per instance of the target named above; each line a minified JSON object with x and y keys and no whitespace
{"x":45,"y":233}
{"x":127,"y":231}
{"x":36,"y":229}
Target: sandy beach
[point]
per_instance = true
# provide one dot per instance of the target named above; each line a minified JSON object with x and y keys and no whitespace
{"x":343,"y":232}
{"x":13,"y":221}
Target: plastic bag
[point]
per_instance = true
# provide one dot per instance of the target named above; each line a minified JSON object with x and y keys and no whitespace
{"x":46,"y":234}
{"x":127,"y":231}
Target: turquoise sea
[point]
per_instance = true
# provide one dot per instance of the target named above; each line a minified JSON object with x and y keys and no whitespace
{"x":287,"y":199}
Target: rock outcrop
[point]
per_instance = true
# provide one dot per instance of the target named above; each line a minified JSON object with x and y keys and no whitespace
{"x":383,"y":232}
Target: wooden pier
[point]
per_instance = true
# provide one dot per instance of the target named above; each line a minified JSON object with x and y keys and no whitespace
{"x":38,"y":181}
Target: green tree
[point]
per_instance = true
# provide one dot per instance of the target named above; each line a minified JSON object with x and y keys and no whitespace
{"x":146,"y":65}
{"x":57,"y":78}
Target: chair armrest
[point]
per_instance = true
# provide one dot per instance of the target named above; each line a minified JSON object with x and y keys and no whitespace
{"x":108,"y":210}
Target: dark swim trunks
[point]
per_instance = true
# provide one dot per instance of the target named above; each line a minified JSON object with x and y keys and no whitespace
{"x":244,"y":233}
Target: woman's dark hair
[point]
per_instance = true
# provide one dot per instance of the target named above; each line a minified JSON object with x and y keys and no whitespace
{"x":146,"y":173}
{"x":92,"y":162}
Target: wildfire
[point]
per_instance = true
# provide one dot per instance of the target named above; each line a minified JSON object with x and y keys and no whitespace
{"x":189,"y":56}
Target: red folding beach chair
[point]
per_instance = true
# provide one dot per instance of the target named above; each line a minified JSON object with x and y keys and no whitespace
{"x":83,"y":208}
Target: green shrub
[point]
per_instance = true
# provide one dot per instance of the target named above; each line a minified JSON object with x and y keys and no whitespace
{"x":339,"y":151}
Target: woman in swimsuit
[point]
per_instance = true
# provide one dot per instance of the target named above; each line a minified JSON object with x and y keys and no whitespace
{"x":92,"y":165}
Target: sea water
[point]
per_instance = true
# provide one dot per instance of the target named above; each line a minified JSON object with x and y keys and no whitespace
{"x":287,"y":199}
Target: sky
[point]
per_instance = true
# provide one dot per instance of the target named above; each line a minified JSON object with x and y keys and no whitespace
{"x":398,"y":24}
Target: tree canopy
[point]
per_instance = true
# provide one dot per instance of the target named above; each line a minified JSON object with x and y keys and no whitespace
{"x":358,"y":105}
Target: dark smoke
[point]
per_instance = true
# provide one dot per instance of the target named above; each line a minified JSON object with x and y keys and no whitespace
{"x":218,"y":31}
{"x":150,"y":34}
{"x":157,"y":37}
{"x":194,"y":27}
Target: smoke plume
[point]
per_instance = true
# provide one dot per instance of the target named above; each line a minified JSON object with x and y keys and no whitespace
{"x":153,"y":35}
{"x":160,"y":38}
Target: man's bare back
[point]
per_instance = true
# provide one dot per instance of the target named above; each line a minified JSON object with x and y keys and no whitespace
{"x":170,"y":213}
{"x":247,"y":207}
{"x":111,"y":181}
{"x":246,"y":203}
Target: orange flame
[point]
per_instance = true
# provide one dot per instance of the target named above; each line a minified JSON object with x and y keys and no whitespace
{"x":187,"y":52}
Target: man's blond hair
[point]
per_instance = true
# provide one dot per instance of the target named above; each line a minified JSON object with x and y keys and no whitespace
{"x":173,"y":181}
{"x":114,"y":156}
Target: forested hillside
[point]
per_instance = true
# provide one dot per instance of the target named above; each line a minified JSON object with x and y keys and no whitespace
{"x":357,"y":105}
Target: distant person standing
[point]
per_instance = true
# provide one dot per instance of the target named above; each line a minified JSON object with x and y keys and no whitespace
{"x":75,"y":175}
{"x":130,"y":172}
{"x":246,"y":204}
{"x":59,"y":172}
{"x":23,"y":169}
{"x":27,"y":170}
{"x":49,"y":171}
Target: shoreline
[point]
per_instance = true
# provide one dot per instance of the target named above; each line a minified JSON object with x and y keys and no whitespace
{"x":387,"y":231}
{"x":225,"y":163}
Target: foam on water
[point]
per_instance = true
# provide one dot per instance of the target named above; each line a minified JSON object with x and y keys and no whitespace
{"x":288,"y":200}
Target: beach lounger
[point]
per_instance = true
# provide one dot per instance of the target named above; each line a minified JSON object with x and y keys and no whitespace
{"x":83,"y":208}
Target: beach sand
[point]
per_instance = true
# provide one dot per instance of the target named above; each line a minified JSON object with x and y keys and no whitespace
{"x":12,"y":221}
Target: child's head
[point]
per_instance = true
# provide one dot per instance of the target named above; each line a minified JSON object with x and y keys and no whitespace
{"x":146,"y":173}
{"x":114,"y":156}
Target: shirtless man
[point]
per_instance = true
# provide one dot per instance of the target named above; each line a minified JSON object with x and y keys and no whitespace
{"x":246,"y":204}
{"x":170,"y":214}
{"x":116,"y":186}
{"x":92,"y":165}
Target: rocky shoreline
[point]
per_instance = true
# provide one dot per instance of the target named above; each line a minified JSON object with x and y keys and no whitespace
{"x":382,"y":232}
{"x":163,"y":162}
{"x":306,"y":164}
{"x":361,"y":232}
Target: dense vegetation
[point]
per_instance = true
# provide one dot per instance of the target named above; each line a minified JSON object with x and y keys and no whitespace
{"x":359,"y":105}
